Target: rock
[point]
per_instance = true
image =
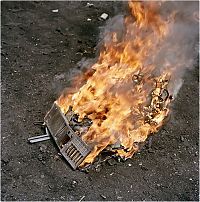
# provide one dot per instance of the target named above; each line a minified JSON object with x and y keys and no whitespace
{"x":74,"y":183}
{"x":182,"y":139}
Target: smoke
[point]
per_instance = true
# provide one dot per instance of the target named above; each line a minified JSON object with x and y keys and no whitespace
{"x":179,"y":50}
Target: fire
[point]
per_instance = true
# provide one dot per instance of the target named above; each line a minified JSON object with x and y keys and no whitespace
{"x":125,"y":94}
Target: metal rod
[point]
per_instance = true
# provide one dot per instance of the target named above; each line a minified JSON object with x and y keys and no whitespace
{"x":39,"y":139}
{"x":40,"y":136}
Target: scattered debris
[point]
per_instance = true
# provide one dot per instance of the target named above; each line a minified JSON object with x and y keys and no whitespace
{"x":89,"y":19}
{"x":150,"y":150}
{"x":43,"y":148}
{"x":112,"y":162}
{"x":144,"y":168}
{"x":82,"y":198}
{"x":89,"y":5}
{"x":5,"y":160}
{"x":129,"y":164}
{"x":12,"y":24}
{"x":55,"y":11}
{"x":137,"y":78}
{"x":104,"y":197}
{"x":158,"y":185}
{"x":40,"y":157}
{"x":56,"y":157}
{"x":103,"y":16}
{"x":119,"y":197}
{"x":74,"y":183}
{"x":16,"y":10}
{"x":150,"y":140}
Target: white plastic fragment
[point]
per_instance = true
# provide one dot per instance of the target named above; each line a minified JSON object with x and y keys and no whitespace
{"x":89,"y":19}
{"x":89,"y":5}
{"x":104,"y":16}
{"x":55,"y":10}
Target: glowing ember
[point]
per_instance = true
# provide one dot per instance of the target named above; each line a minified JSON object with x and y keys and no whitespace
{"x":125,"y":92}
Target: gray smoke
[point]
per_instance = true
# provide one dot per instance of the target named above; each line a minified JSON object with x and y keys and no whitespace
{"x":179,"y":50}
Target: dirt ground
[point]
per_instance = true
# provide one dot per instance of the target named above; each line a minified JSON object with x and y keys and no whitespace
{"x":40,"y":50}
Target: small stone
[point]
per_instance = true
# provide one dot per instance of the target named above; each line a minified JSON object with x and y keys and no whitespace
{"x":43,"y":162}
{"x":40,"y":157}
{"x":74,"y":183}
{"x":182,"y":138}
{"x":42,"y":176}
{"x":129,"y":164}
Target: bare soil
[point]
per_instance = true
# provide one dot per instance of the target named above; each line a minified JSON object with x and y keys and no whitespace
{"x":40,"y":50}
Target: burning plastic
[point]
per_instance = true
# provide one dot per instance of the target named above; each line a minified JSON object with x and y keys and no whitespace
{"x":115,"y":97}
{"x":126,"y":95}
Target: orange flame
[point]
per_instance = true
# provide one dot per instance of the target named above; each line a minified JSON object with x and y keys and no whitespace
{"x":123,"y":92}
